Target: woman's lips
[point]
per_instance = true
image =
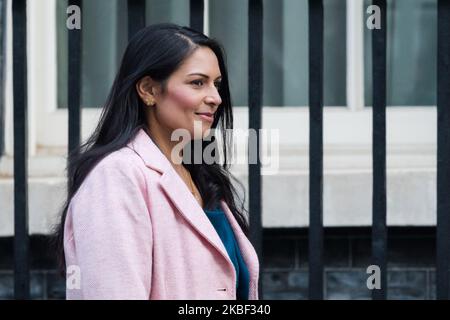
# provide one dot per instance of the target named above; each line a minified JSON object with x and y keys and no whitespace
{"x":207,"y":116}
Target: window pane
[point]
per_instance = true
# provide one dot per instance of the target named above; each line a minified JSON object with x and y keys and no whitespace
{"x":228,"y":23}
{"x":335,"y":55}
{"x":105,"y":31}
{"x":285,"y":47}
{"x":411,"y":53}
{"x":104,"y":35}
{"x":285,"y":50}
{"x":175,"y":11}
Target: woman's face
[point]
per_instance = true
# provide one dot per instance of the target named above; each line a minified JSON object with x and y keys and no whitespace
{"x":191,"y":94}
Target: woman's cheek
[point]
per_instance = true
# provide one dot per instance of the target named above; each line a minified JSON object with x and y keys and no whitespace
{"x":184,"y":98}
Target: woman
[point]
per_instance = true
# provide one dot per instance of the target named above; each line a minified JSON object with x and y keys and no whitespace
{"x":137,"y":223}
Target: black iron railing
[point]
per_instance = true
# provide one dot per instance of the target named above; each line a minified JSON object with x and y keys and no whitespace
{"x":21,"y":238}
{"x":443,"y":152}
{"x":74,"y":84}
{"x":255,"y":87}
{"x":315,"y":237}
{"x":379,"y":229}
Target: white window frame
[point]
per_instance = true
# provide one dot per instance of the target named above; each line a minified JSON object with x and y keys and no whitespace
{"x":411,"y":131}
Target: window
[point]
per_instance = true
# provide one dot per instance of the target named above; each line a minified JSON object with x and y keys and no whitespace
{"x":102,"y":47}
{"x":104,"y":43}
{"x":106,"y":40}
{"x":411,"y":53}
{"x":285,"y":57}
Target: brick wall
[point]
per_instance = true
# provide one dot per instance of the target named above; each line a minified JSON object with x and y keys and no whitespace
{"x":46,"y":283}
{"x":411,"y":272}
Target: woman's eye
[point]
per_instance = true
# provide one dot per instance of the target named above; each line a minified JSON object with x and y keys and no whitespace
{"x":197,"y":82}
{"x":200,"y":83}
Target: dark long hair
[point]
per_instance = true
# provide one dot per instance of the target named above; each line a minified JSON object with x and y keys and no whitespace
{"x":155,"y":51}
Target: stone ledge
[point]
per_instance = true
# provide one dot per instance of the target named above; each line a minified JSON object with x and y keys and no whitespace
{"x":347,"y":200}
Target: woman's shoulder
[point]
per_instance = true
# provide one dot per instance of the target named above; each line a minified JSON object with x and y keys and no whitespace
{"x":114,"y":191}
{"x":120,"y":169}
{"x":123,"y":162}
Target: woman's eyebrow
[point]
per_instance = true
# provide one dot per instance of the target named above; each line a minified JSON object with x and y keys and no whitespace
{"x":202,"y":74}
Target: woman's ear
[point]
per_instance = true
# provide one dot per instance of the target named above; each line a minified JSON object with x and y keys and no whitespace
{"x":146,"y":89}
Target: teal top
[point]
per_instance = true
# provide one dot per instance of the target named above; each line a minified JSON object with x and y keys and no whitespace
{"x":225,"y":232}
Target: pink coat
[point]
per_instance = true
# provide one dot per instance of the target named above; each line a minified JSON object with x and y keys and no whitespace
{"x":134,"y":231}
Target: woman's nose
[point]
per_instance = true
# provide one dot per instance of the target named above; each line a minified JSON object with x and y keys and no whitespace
{"x":214,"y":97}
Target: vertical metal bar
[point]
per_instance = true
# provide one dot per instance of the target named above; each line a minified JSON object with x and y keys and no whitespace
{"x":136,"y":16}
{"x":2,"y":64}
{"x":315,"y":232}
{"x":74,"y":83}
{"x":443,"y":152}
{"x":21,"y":238}
{"x":379,"y":229}
{"x":255,"y":85}
{"x":196,"y":14}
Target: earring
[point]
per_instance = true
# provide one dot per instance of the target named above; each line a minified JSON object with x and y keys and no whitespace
{"x":150,"y":102}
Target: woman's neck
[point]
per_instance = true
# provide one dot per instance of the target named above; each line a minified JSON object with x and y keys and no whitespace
{"x":162,"y":138}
